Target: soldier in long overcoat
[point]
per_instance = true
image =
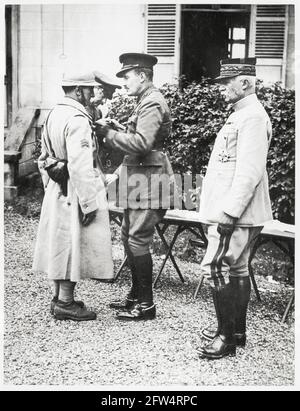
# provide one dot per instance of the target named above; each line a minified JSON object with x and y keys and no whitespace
{"x":146,"y":179}
{"x":234,"y":203}
{"x":73,"y":239}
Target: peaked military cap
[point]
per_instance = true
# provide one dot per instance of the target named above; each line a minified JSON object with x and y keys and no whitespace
{"x":104,"y":80}
{"x":136,"y":60}
{"x":236,"y":67}
{"x":80,"y":79}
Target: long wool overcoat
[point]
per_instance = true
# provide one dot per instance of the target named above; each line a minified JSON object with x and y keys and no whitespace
{"x":64,"y":248}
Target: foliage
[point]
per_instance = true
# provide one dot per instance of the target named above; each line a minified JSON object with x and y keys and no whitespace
{"x":198,"y":112}
{"x":280,"y":105}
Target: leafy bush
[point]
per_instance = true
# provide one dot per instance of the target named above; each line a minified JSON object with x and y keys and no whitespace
{"x":280,"y":105}
{"x":198,"y":112}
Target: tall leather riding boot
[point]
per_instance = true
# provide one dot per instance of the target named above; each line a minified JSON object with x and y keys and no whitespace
{"x":224,"y":343}
{"x":212,"y":331}
{"x":144,"y":309}
{"x":242,"y":290}
{"x":131,"y":299}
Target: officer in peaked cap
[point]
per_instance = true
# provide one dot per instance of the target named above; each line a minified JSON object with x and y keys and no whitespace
{"x":76,"y":216}
{"x":147,"y":128}
{"x":234,"y":204}
{"x":136,"y":60}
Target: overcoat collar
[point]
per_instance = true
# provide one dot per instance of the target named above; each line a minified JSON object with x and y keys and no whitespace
{"x":69,"y":101}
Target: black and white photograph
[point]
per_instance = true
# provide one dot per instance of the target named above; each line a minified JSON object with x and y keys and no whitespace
{"x":149,"y":214}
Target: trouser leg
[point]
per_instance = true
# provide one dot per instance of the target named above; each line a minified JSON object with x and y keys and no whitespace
{"x":66,"y":291}
{"x":141,"y":230}
{"x":226,"y":265}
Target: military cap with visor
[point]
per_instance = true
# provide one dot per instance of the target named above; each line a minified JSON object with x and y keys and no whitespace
{"x":236,"y":67}
{"x":136,"y":60}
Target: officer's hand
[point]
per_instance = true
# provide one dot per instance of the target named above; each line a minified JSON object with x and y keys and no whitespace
{"x":114,"y":124}
{"x":102,"y":122}
{"x":88,"y":218}
{"x":226,"y":224}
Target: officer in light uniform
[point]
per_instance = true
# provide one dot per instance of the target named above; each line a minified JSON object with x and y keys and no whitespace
{"x":142,"y":142}
{"x":73,"y":239}
{"x":234,"y":204}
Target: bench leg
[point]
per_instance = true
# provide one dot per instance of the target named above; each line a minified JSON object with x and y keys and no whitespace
{"x":199,"y":285}
{"x":124,"y":262}
{"x":288,"y":307}
{"x":254,"y":282}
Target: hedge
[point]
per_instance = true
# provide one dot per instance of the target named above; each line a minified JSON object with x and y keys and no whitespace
{"x":198,"y":112}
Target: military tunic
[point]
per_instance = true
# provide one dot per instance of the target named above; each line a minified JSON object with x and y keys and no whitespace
{"x":65,"y":249}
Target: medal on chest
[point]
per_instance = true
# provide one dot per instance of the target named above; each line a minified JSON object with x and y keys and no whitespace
{"x":223,"y":156}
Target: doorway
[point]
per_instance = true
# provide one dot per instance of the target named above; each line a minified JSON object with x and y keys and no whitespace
{"x":210,"y":33}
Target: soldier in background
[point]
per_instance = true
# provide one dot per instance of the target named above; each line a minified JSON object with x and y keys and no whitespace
{"x":102,"y":92}
{"x":234,"y":203}
{"x":147,"y":128}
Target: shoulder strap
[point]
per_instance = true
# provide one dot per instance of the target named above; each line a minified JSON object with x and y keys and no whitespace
{"x":46,"y":136}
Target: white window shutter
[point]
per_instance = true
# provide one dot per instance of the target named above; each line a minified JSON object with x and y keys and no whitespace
{"x":161,"y":29}
{"x":270,"y":32}
{"x":268,"y":41}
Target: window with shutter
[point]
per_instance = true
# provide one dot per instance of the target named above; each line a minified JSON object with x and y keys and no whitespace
{"x":161,"y":29}
{"x":270,"y":31}
{"x":268,"y":41}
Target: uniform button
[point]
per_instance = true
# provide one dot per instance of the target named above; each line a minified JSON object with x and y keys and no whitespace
{"x":85,"y":206}
{"x":141,"y":164}
{"x":69,"y":204}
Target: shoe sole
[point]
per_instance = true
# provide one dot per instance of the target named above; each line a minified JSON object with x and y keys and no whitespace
{"x":135,"y":319}
{"x":62,"y":317}
{"x":231,"y":353}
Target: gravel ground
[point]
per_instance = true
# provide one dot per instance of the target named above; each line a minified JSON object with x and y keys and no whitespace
{"x":39,"y":350}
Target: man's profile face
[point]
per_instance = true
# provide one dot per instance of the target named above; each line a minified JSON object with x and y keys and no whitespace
{"x":231,"y":89}
{"x":86,"y":94}
{"x":99,"y":94}
{"x":132,"y":83}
